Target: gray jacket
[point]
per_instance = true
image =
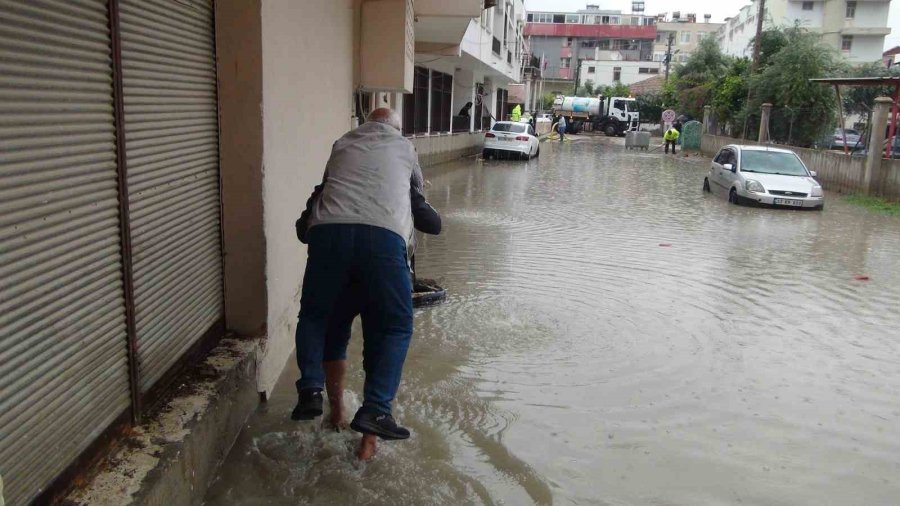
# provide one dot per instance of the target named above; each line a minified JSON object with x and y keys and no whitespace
{"x":372,"y":178}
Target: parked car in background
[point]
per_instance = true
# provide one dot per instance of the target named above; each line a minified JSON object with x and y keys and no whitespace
{"x":835,"y":140}
{"x":511,"y":139}
{"x":895,"y":149}
{"x":763,"y":175}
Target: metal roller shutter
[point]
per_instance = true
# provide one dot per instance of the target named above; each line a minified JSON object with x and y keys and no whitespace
{"x":63,"y":348}
{"x":171,"y":138}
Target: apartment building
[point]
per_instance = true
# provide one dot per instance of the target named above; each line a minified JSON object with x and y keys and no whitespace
{"x":856,"y":29}
{"x":686,"y":33}
{"x":564,"y":40}
{"x":155,"y":156}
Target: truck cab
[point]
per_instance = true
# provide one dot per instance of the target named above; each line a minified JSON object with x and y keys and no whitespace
{"x":621,"y":116}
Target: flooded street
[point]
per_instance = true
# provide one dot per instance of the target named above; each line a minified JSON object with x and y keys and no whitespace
{"x":615,"y":336}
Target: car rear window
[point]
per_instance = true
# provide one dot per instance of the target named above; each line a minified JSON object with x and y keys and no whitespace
{"x":516,"y":128}
{"x":772,"y":162}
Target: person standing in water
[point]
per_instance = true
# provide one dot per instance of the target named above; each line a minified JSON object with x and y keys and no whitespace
{"x":358,"y":225}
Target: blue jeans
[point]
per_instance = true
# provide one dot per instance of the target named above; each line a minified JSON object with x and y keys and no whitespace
{"x":562,"y":133}
{"x":356,"y":269}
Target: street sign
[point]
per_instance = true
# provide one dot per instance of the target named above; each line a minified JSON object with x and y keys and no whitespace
{"x":668,"y":116}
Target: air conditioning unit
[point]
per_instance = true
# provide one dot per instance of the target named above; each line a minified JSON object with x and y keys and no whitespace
{"x":490,"y":3}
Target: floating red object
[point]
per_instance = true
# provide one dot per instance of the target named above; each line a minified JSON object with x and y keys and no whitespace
{"x":665,"y":245}
{"x":861,"y":277}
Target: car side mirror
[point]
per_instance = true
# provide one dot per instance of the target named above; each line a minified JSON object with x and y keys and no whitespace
{"x":813,"y":173}
{"x":728,"y":166}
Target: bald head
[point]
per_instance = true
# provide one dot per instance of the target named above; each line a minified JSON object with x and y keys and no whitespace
{"x":386,"y":116}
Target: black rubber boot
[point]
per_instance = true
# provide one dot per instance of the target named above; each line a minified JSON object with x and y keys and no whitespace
{"x":309,"y":404}
{"x":378,"y":424}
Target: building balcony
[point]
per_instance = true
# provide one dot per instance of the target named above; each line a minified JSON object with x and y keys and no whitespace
{"x":591,"y":31}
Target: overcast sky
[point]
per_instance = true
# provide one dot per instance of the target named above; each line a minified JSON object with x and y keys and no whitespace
{"x":720,"y":9}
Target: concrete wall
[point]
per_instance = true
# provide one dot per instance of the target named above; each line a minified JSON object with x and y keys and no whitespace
{"x":434,"y":149}
{"x":307,"y":78}
{"x":239,"y":61}
{"x":837,"y":172}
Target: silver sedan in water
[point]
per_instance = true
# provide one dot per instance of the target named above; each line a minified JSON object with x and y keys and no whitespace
{"x":763,"y":175}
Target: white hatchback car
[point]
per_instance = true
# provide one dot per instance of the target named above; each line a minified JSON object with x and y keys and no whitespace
{"x":764,"y":175}
{"x":511,"y":138}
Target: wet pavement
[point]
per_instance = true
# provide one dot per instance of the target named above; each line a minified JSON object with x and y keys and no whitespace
{"x":615,"y":336}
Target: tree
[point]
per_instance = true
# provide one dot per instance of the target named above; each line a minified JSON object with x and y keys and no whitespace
{"x":861,"y":99}
{"x":729,"y":97}
{"x":772,"y":41}
{"x":804,"y":110}
{"x":651,"y":106}
{"x":586,"y":90}
{"x":616,"y":90}
{"x":696,"y":80}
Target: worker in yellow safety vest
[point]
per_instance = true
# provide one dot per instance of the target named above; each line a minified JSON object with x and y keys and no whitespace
{"x":516,"y":113}
{"x":671,"y":138}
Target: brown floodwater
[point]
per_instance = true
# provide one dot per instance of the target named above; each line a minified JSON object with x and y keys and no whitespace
{"x":615,"y":336}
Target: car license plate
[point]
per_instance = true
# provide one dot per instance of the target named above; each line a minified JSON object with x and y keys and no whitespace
{"x":507,"y":139}
{"x":789,"y":202}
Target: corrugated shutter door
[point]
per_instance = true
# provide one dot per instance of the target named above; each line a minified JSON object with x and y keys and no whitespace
{"x":171,"y":138}
{"x":63,"y":347}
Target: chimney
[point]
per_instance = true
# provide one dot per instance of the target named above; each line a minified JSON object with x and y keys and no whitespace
{"x":707,"y":17}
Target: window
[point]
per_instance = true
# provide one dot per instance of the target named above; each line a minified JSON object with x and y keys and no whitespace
{"x":700,"y":36}
{"x":559,"y":18}
{"x":515,"y":128}
{"x":565,"y":63}
{"x":617,"y":74}
{"x":530,"y":18}
{"x":502,"y":99}
{"x":441,"y":90}
{"x":604,"y":20}
{"x":846,"y":43}
{"x":643,"y":70}
{"x":625,"y":45}
{"x":654,"y":70}
{"x":415,"y":104}
{"x":659,"y":56}
{"x":573,"y":18}
{"x":851,"y":10}
{"x":591,"y":70}
{"x":603,"y":44}
{"x":685,"y":37}
{"x":660,"y":36}
{"x":567,"y":42}
{"x":808,"y":6}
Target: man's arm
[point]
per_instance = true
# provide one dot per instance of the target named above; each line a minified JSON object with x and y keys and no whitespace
{"x":425,"y":218}
{"x":302,"y":224}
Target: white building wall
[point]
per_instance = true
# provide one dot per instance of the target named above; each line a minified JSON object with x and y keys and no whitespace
{"x":605,"y":70}
{"x":807,"y":19}
{"x":304,"y":44}
{"x":870,"y":14}
{"x":866,"y":49}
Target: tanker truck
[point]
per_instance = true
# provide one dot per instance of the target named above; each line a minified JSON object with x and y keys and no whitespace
{"x":610,"y":115}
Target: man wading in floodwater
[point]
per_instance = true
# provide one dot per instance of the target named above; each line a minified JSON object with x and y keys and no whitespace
{"x":358,"y":225}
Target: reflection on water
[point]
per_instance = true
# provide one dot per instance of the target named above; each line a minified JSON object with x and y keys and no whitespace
{"x":578,"y":361}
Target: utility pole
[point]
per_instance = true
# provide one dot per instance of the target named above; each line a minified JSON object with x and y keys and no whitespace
{"x":669,"y":53}
{"x":757,"y":42}
{"x":754,"y":64}
{"x":577,"y":71}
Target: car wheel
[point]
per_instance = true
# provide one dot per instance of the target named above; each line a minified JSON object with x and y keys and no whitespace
{"x":486,"y":154}
{"x":706,"y":185}
{"x":733,"y":197}
{"x":610,"y":131}
{"x":538,"y":152}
